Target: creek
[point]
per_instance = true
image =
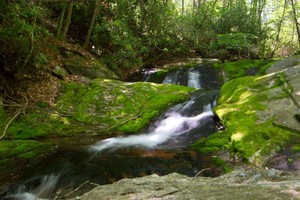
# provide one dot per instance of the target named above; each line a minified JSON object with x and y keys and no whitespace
{"x":162,"y":148}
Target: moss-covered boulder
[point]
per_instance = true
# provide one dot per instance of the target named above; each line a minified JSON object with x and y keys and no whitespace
{"x":90,"y":69}
{"x":258,"y":113}
{"x":246,"y":67}
{"x":105,"y":106}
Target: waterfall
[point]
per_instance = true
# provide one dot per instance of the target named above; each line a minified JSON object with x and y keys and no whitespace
{"x":173,"y":125}
{"x":178,"y":123}
{"x":194,"y":80}
{"x":36,"y":189}
{"x":146,"y":74}
{"x":173,"y":78}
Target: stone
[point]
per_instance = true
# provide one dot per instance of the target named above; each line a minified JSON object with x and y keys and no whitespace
{"x":92,"y":69}
{"x":241,"y":184}
{"x":283,"y":64}
{"x":60,"y":72}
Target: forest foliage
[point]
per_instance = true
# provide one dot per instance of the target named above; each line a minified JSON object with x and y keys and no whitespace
{"x":133,"y":33}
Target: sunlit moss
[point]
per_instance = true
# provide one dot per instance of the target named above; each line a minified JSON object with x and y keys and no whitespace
{"x":239,"y":106}
{"x":296,"y":148}
{"x":104,"y":106}
{"x":244,"y":67}
{"x":237,"y":136}
{"x":28,"y":149}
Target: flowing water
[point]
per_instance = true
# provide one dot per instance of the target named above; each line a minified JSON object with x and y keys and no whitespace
{"x":162,"y":149}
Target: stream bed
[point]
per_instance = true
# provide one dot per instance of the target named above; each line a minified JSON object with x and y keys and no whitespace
{"x":162,"y":148}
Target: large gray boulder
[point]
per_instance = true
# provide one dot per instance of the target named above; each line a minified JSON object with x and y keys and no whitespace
{"x":241,"y":184}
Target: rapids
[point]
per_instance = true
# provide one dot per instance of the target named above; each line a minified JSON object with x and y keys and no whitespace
{"x":162,"y":148}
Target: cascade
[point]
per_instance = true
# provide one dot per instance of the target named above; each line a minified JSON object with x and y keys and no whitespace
{"x":162,"y":148}
{"x":36,"y":189}
{"x":194,"y":80}
{"x":175,"y":125}
{"x":172,"y":126}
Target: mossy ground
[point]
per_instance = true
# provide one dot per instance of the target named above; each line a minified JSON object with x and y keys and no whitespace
{"x":244,"y":67}
{"x":26,"y":149}
{"x":104,"y":106}
{"x":248,"y":133}
{"x":120,"y":106}
{"x":17,"y":155}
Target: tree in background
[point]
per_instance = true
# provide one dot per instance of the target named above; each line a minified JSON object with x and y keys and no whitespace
{"x":128,"y":34}
{"x":294,"y":8}
{"x":20,"y":31}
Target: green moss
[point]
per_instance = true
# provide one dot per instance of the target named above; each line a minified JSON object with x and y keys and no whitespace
{"x":296,"y":148}
{"x":125,"y":107}
{"x":104,"y":106}
{"x":215,"y":142}
{"x":28,"y":149}
{"x":218,"y":162}
{"x":159,"y":76}
{"x":248,"y":132}
{"x":242,"y":67}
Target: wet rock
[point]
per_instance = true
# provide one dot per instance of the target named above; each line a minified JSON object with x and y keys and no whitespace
{"x":240,"y":184}
{"x":279,"y":162}
{"x":78,"y":68}
{"x":283,"y":64}
{"x":259,"y":113}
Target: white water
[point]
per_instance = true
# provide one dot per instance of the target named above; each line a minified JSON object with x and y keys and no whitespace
{"x":191,"y":78}
{"x":147,"y":74}
{"x":42,"y":192}
{"x":173,"y":125}
{"x":172,"y":78}
{"x":194,"y":79}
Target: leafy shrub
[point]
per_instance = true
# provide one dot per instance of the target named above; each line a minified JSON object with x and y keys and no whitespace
{"x":19,"y":31}
{"x":234,"y":44}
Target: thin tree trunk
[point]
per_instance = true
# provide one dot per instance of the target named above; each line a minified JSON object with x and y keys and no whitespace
{"x":182,"y":4}
{"x":68,"y":19}
{"x":89,"y":33}
{"x":296,"y":21}
{"x":60,"y":22}
{"x":279,"y":29}
{"x":194,"y":5}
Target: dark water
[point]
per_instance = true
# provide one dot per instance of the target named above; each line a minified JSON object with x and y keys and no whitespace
{"x":200,"y":76}
{"x":162,"y":149}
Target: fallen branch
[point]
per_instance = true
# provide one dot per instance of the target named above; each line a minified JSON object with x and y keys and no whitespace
{"x":202,"y":170}
{"x":10,"y":121}
{"x":79,"y":187}
{"x":183,"y":188}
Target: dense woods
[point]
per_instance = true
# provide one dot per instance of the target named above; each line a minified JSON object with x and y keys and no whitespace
{"x":90,"y":86}
{"x":130,"y":34}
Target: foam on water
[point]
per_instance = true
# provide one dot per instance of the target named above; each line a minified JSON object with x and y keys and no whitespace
{"x":194,"y":79}
{"x":29,"y":192}
{"x":173,"y":125}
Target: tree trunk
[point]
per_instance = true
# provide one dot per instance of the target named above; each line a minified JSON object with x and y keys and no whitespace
{"x":194,"y":5}
{"x":182,"y":4}
{"x":94,"y":16}
{"x":279,"y":30}
{"x":60,"y":22}
{"x":68,"y":19}
{"x":295,"y":20}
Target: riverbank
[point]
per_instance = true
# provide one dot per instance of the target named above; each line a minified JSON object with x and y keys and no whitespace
{"x":249,"y":183}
